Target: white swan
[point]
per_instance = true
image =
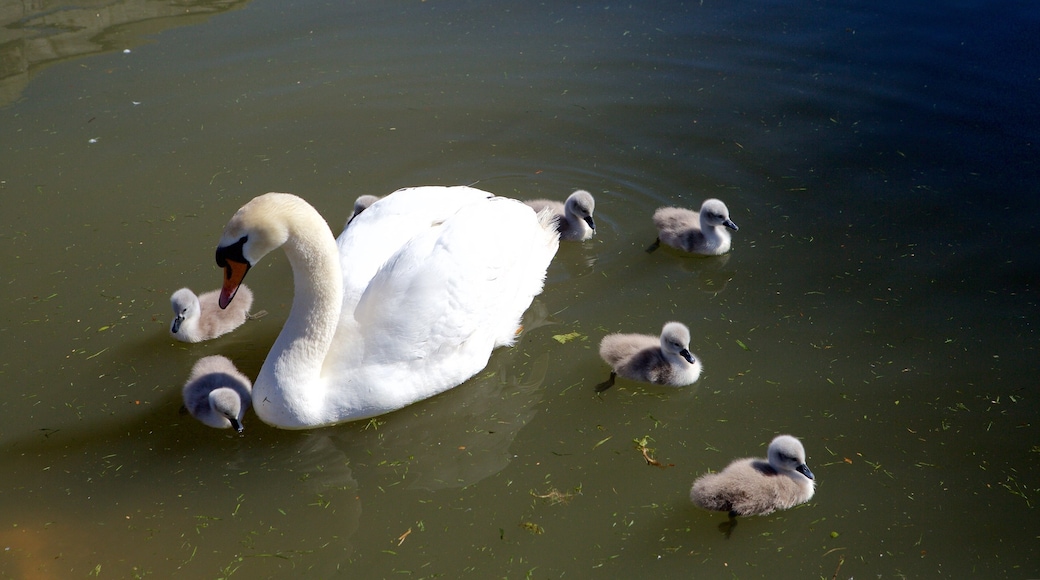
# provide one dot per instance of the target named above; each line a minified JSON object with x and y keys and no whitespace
{"x":702,"y":232}
{"x":216,"y":393}
{"x":422,"y":286}
{"x":664,"y":360}
{"x":199,"y":318}
{"x":573,"y":218}
{"x":756,"y":487}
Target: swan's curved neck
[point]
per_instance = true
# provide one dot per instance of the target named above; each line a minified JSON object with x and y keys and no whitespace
{"x":289,"y":389}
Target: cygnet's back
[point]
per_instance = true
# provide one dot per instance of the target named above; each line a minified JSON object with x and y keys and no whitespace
{"x":757,"y":487}
{"x":573,"y":219}
{"x":216,"y":393}
{"x":704,"y":232}
{"x":664,"y":360}
{"x":199,"y":318}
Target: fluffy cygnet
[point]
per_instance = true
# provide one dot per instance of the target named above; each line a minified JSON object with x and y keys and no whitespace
{"x":360,"y":205}
{"x":573,"y":218}
{"x":217,"y":393}
{"x":199,"y":318}
{"x":756,"y":487}
{"x":664,"y":360}
{"x":703,"y":232}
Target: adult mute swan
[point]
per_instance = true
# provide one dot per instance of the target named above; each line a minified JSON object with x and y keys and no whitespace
{"x":216,"y":393}
{"x":573,"y":218}
{"x":702,"y":232}
{"x":757,"y":487}
{"x":664,"y":360}
{"x":407,"y":303}
{"x":199,"y":318}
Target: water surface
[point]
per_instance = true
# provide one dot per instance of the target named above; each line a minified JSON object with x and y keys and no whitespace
{"x":879,"y":302}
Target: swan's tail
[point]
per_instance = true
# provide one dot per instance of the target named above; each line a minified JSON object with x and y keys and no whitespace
{"x":547,"y":219}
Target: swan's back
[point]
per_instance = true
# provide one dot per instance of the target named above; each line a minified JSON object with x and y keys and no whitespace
{"x":382,"y":229}
{"x":438,"y":304}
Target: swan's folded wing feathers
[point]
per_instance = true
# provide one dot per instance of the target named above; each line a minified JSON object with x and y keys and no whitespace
{"x":462,"y":279}
{"x":395,"y":221}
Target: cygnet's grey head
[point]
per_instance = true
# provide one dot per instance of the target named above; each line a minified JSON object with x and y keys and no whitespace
{"x":675,"y":339}
{"x":185,"y":305}
{"x":227,"y":402}
{"x":786,"y":453}
{"x":715,"y":213}
{"x":361,"y":204}
{"x":581,"y":204}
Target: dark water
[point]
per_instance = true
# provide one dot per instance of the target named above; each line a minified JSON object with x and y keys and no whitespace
{"x":880,"y":301}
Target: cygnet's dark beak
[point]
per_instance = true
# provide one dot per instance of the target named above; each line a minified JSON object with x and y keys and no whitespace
{"x":729,"y":224}
{"x":591,"y":222}
{"x":804,"y":470}
{"x":238,"y":427}
{"x":686,"y":354}
{"x":177,"y":321}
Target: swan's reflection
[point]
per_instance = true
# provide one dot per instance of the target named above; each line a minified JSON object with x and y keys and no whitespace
{"x":459,"y":437}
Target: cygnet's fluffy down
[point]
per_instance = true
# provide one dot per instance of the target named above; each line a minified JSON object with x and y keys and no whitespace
{"x":217,"y":394}
{"x":199,"y":318}
{"x":704,"y":232}
{"x":360,"y":205}
{"x":573,"y":218}
{"x":664,"y":360}
{"x":756,"y":487}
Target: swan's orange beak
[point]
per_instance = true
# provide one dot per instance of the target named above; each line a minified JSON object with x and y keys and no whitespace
{"x":235,"y":266}
{"x":234,"y":273}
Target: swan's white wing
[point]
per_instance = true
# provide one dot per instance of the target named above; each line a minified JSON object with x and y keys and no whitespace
{"x":432,"y":314}
{"x":381,"y":230}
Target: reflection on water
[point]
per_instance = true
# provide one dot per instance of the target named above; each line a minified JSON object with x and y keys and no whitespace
{"x":36,"y":34}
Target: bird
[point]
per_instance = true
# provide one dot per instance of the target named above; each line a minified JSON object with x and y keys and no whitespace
{"x":704,"y":232}
{"x":573,"y":218}
{"x":758,"y":487}
{"x":408,"y":302}
{"x":664,"y":360}
{"x":216,"y":393}
{"x":360,"y":205}
{"x":199,"y":318}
